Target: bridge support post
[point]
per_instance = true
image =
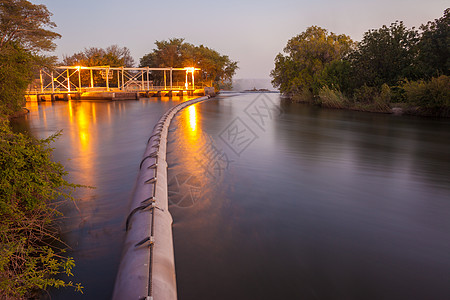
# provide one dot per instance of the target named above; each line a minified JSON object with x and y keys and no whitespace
{"x":41,"y":81}
{"x":107,"y":79}
{"x":53,"y":84}
{"x":68,"y":80}
{"x":165,"y":81}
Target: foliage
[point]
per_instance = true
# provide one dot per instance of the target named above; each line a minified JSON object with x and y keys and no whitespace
{"x":113,"y":56}
{"x":30,"y":184}
{"x":307,"y":55}
{"x":25,"y":29}
{"x":331,"y":98}
{"x":374,"y":99}
{"x":171,"y":53}
{"x":390,"y":65}
{"x":216,"y":69}
{"x":365,"y":99}
{"x":26,"y":24}
{"x":434,"y":47}
{"x":337,"y":75}
{"x":434,"y":93}
{"x":385,"y":55}
{"x":16,"y":66}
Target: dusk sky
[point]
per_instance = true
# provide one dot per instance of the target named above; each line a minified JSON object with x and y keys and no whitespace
{"x":250,"y":32}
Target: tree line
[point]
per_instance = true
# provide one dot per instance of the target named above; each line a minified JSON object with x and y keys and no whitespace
{"x":393,"y":66}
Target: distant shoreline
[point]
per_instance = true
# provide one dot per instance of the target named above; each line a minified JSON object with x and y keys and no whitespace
{"x":398,"y":109}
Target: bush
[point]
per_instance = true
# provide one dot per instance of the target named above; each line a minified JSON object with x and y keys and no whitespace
{"x":332,"y":98}
{"x":30,"y":186}
{"x":432,"y":94}
{"x":372,"y":99}
{"x":304,"y":96}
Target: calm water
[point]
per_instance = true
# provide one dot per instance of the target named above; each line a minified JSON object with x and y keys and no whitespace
{"x":102,"y":144}
{"x":286,"y":201}
{"x":270,"y":200}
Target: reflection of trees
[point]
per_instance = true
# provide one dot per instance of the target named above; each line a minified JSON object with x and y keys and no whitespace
{"x":369,"y":141}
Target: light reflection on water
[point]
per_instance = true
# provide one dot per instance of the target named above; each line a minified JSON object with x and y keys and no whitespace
{"x":324,"y":204}
{"x":102,"y":144}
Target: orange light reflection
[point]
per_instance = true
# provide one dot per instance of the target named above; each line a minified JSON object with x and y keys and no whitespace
{"x":192,"y":113}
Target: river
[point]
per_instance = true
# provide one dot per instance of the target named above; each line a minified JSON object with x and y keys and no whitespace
{"x":270,"y":199}
{"x":289,"y":201}
{"x":101,"y":145}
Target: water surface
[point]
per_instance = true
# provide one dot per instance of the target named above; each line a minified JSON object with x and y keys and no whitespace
{"x":273,"y":200}
{"x":101,"y":145}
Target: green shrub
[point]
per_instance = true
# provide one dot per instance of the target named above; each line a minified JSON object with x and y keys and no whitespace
{"x":372,"y":99}
{"x":432,"y":94}
{"x":305,"y":96}
{"x":30,"y":187}
{"x":332,"y":98}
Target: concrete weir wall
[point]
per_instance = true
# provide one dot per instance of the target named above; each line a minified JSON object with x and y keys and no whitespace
{"x":147,"y":267}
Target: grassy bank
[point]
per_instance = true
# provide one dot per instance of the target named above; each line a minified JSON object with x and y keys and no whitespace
{"x":422,"y":98}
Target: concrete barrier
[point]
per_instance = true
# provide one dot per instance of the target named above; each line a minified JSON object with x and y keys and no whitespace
{"x":147,"y":267}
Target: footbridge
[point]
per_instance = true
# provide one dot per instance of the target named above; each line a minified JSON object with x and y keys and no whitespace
{"x":105,"y":82}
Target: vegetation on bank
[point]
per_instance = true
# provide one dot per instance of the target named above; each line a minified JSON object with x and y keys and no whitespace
{"x":31,"y":187}
{"x":391,"y":67}
{"x":31,"y":184}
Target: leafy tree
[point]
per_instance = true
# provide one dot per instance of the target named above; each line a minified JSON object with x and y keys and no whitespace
{"x":26,"y":24}
{"x":337,"y":75}
{"x":216,"y":69}
{"x":434,"y":47}
{"x":385,"y":55}
{"x":167,"y":54}
{"x":25,"y":29}
{"x":16,"y":67}
{"x":113,"y":56}
{"x":307,"y":54}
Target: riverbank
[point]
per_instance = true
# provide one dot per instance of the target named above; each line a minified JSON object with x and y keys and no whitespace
{"x":421,"y":101}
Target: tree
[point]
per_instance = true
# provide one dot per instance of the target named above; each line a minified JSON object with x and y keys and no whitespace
{"x":167,"y":54}
{"x":113,"y":56}
{"x":434,"y":47}
{"x":216,"y":69}
{"x":24,"y":31}
{"x":16,"y":72}
{"x":26,"y":24}
{"x":307,"y":54}
{"x":385,"y":55}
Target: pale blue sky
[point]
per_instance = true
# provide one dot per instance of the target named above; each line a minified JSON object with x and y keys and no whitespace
{"x":251,"y":32}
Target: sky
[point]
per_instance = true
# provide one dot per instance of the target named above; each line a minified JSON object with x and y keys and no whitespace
{"x":250,"y":32}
